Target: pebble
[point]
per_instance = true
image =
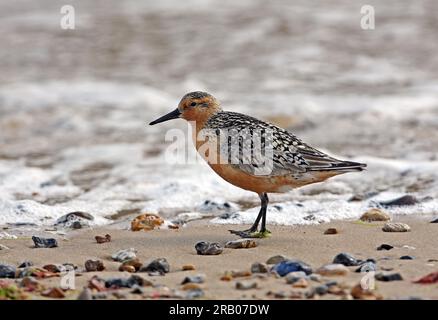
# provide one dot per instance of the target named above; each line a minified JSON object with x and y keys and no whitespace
{"x":333,"y":270}
{"x":100,"y":239}
{"x":407,"y":258}
{"x":193,"y":294}
{"x":360,"y":293}
{"x":7,"y":271}
{"x":241,"y":244}
{"x":384,"y":247}
{"x":293,"y":277}
{"x":315,"y":277}
{"x":3,"y":247}
{"x":55,"y":268}
{"x":74,"y":220}
{"x":132,"y":265}
{"x":188,"y":267}
{"x":301,"y":283}
{"x":375,"y":215}
{"x":230,"y":275}
{"x":25,"y":264}
{"x":336,"y":290}
{"x":207,"y":248}
{"x":346,"y":259}
{"x":276,"y":259}
{"x":246,"y":285}
{"x":44,"y":242}
{"x":191,"y":286}
{"x":288,"y":266}
{"x":396,"y":227}
{"x":125,"y":254}
{"x":258,"y":267}
{"x":406,"y":200}
{"x":367,"y":266}
{"x":100,"y":295}
{"x":137,"y":290}
{"x":296,"y":295}
{"x":331,"y":231}
{"x":94,"y":265}
{"x":194,"y":279}
{"x":276,"y":294}
{"x":55,"y":293}
{"x":159,"y":265}
{"x":319,"y":290}
{"x":96,"y":283}
{"x":146,"y":222}
{"x":127,"y":268}
{"x":226,"y":277}
{"x":331,"y":283}
{"x":239,"y":274}
{"x":388,"y":277}
{"x":85,"y":294}
{"x":30,"y":283}
{"x":428,"y":279}
{"x":130,"y":282}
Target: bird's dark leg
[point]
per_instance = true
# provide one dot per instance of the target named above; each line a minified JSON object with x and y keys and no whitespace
{"x":265,"y":202}
{"x":252,"y":232}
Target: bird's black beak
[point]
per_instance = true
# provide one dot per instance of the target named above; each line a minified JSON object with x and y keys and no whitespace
{"x":171,"y":115}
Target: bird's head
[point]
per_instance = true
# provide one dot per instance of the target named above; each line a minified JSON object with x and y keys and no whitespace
{"x":195,"y":106}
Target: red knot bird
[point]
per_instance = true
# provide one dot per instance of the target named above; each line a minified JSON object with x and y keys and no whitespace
{"x":252,"y":154}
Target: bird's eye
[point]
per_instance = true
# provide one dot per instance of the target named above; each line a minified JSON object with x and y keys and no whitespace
{"x":193,"y":104}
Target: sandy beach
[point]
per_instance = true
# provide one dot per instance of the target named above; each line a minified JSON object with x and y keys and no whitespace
{"x":74,"y":111}
{"x":306,"y":243}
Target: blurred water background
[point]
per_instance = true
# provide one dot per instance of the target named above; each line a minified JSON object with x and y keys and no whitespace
{"x":74,"y":104}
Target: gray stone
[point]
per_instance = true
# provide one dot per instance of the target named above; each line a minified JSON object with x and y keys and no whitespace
{"x":258,"y":267}
{"x":276,"y":259}
{"x":208,"y":248}
{"x":125,"y":254}
{"x":7,"y":271}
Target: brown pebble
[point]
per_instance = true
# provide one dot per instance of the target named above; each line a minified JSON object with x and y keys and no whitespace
{"x":100,"y":239}
{"x":127,"y":268}
{"x":55,"y":268}
{"x":336,"y":290}
{"x":331,"y":231}
{"x":238,"y":274}
{"x":146,"y":222}
{"x":375,"y":215}
{"x":188,"y":267}
{"x":359,"y":293}
{"x":129,"y":265}
{"x":333,"y":270}
{"x":54,"y":293}
{"x":296,"y":295}
{"x":301,"y":283}
{"x":241,"y":244}
{"x":94,"y":265}
{"x":191,"y":286}
{"x":227,"y":277}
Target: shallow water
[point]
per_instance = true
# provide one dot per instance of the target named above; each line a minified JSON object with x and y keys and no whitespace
{"x":74,"y":104}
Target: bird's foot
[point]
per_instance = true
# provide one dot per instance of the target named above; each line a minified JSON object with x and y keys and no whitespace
{"x":251,"y":233}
